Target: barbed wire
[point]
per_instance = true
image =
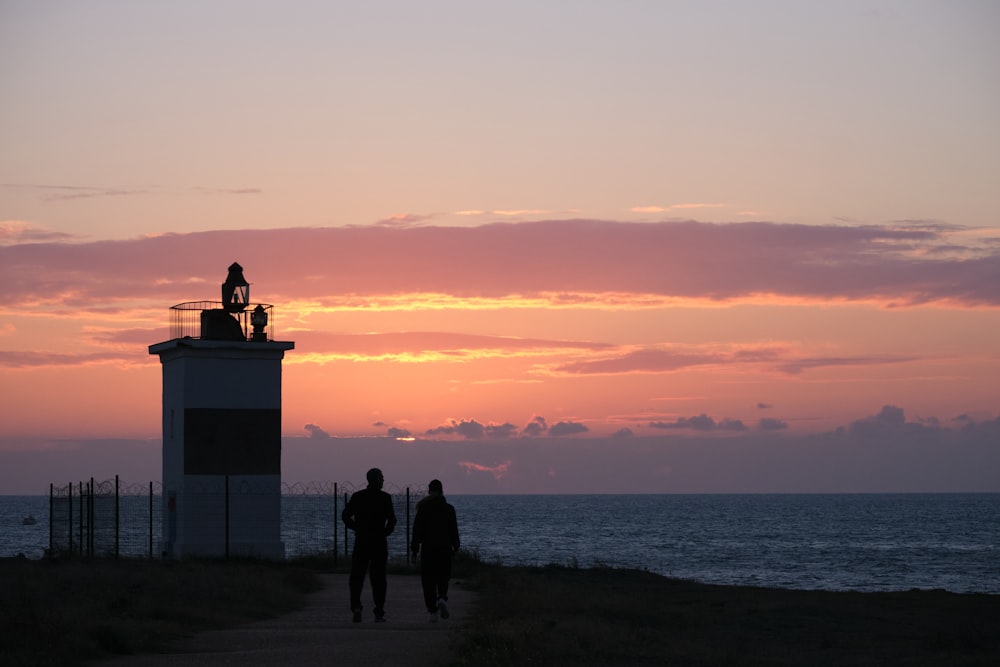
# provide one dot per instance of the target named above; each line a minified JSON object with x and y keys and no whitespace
{"x":217,"y":485}
{"x":107,"y":488}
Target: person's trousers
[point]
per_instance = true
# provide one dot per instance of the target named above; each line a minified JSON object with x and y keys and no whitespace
{"x":435,"y":572}
{"x":369,"y":556}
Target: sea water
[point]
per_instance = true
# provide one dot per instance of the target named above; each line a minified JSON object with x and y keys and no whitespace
{"x":861,"y":542}
{"x":832,"y":542}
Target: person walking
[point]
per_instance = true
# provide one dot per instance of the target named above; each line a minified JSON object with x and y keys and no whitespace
{"x":369,"y":513}
{"x":435,"y":538}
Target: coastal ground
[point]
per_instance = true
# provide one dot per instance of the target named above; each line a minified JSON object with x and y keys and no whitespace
{"x":135,"y":614}
{"x":323,"y":633}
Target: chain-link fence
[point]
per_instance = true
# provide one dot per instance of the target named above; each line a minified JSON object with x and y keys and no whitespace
{"x":113,"y":519}
{"x":105,"y":518}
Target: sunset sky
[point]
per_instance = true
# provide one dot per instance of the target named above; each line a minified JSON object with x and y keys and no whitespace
{"x":594,"y":246}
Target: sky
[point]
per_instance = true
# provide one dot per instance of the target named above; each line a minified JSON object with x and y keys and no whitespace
{"x":523,"y":247}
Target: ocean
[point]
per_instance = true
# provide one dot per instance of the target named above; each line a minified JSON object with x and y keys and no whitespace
{"x":856,"y":542}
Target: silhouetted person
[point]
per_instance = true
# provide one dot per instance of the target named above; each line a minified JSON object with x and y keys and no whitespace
{"x":370,"y":515}
{"x":435,"y":529}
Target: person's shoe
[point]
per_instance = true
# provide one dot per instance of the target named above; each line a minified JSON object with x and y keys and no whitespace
{"x":380,"y":616}
{"x":356,"y":616}
{"x":443,"y":608}
{"x":432,"y":616}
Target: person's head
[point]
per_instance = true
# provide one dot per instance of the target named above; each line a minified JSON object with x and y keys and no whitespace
{"x":435,"y":487}
{"x":375,"y":478}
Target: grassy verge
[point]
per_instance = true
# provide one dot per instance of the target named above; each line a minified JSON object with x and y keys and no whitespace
{"x":67,"y":612}
{"x":568,"y":616}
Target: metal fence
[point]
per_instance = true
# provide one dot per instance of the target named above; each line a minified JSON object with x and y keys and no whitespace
{"x":105,"y":518}
{"x":117,"y":520}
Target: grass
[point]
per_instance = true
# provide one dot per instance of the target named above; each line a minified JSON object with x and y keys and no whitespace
{"x":66,"y":612}
{"x":603,"y":616}
{"x":70,"y":611}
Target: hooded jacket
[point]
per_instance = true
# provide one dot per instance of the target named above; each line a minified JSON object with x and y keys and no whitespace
{"x":436,"y":525}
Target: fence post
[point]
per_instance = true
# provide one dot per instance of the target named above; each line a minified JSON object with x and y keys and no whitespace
{"x":117,"y":520}
{"x":51,"y":516}
{"x":69,"y":505}
{"x":345,"y":528}
{"x":91,"y":507}
{"x":227,"y":517}
{"x":90,"y":522}
{"x":150,"y":521}
{"x":335,"y":524}
{"x":81,"y":540}
{"x":84,"y":519}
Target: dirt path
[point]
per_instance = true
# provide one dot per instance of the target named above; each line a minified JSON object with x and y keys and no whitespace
{"x":322,"y":633}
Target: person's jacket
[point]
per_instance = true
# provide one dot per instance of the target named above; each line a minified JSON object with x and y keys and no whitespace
{"x":435,"y":525}
{"x":369,"y":513}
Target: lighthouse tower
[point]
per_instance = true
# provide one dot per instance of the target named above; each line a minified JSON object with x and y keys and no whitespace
{"x":222,"y":427}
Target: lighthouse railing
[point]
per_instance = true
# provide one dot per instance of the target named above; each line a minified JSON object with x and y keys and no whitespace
{"x":187,"y":320}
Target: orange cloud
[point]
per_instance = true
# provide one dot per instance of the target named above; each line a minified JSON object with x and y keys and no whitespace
{"x":551,"y":262}
{"x":497,"y":471}
{"x":577,"y":320}
{"x":667,"y":358}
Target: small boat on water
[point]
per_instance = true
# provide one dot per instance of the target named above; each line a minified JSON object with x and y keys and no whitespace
{"x":30,"y":520}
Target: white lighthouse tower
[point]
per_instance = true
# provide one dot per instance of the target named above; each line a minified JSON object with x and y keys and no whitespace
{"x":222,"y":427}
